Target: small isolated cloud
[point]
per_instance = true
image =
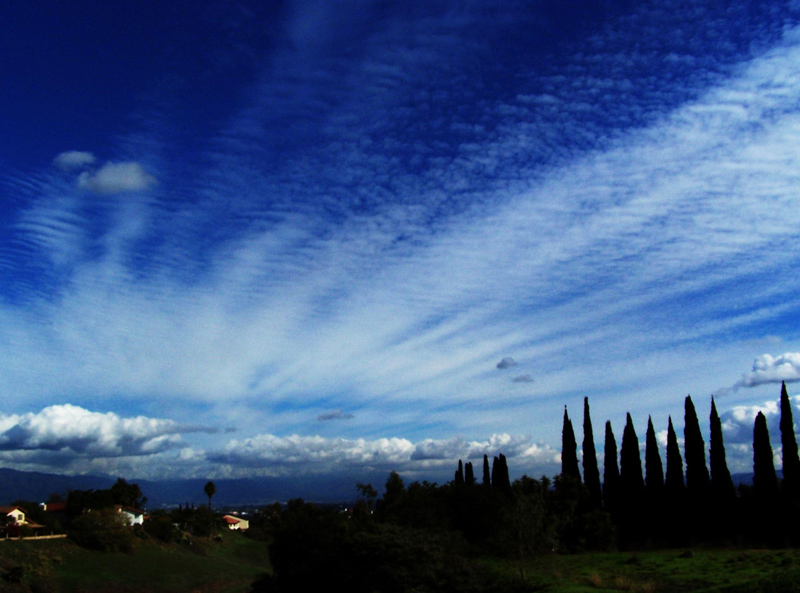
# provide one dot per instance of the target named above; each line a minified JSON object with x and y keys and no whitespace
{"x":507,"y":363}
{"x":73,"y":159}
{"x":768,"y":369}
{"x":74,"y":431}
{"x":114,"y":178}
{"x":336,"y":415}
{"x":523,"y":379}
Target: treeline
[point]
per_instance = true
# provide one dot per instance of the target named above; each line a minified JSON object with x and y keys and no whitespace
{"x":698,"y":505}
{"x":429,"y":537}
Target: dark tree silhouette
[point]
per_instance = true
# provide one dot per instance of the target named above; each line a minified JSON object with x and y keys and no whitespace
{"x":791,"y":462}
{"x":459,"y":478}
{"x":469,"y":474}
{"x":631,"y":489}
{"x":569,"y":450}
{"x":128,"y":495}
{"x":495,"y":472}
{"x":503,"y":483}
{"x":654,"y":469}
{"x":674,"y":484}
{"x":721,"y":482}
{"x":630,"y":463}
{"x":610,"y":471}
{"x":697,"y":478}
{"x":591,"y":475}
{"x":487,"y":482}
{"x":765,"y":480}
{"x":674,"y":518}
{"x":210,"y":489}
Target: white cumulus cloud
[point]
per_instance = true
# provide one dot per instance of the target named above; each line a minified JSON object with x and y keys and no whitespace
{"x":76,"y":431}
{"x":113,"y":178}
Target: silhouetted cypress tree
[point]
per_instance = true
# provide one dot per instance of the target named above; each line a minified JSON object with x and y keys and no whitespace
{"x":765,"y":480}
{"x":591,"y":475}
{"x":495,"y":472}
{"x":791,"y":462}
{"x":674,"y":484}
{"x":487,"y":482}
{"x":630,"y":519}
{"x":697,"y":478}
{"x":654,"y":469}
{"x":721,"y":482}
{"x":630,"y":463}
{"x":569,"y":450}
{"x":610,"y":471}
{"x":675,"y":517}
{"x":504,"y":480}
{"x":469,"y":475}
{"x":460,"y":474}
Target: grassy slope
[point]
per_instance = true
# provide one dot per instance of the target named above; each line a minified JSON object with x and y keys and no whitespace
{"x":228,"y":566}
{"x":231,"y":565}
{"x":664,"y":571}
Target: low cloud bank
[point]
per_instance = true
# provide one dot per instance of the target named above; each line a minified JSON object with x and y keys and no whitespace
{"x":74,"y":429}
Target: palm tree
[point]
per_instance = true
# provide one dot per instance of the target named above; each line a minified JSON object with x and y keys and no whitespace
{"x":210,"y":491}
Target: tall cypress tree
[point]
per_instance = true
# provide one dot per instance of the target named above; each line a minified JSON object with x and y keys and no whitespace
{"x":469,"y":474}
{"x":630,"y":463}
{"x":487,"y":482}
{"x":569,"y":450}
{"x":631,"y":489}
{"x":495,"y":472}
{"x":459,"y":474}
{"x":791,"y":462}
{"x":591,"y":475}
{"x":674,"y":484}
{"x":721,"y":482}
{"x":610,"y":471}
{"x":697,"y":478}
{"x":674,"y":523}
{"x":654,"y":469}
{"x":503,"y":483}
{"x":765,"y":480}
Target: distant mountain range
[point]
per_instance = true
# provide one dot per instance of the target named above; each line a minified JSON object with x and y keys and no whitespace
{"x":35,"y":486}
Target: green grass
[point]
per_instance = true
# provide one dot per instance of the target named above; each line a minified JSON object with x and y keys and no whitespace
{"x":231,"y":565}
{"x":227,"y":566}
{"x":667,"y":571}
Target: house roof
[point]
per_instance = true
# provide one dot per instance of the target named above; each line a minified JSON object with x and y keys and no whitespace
{"x":9,"y":509}
{"x":55,"y":506}
{"x":230,"y":520}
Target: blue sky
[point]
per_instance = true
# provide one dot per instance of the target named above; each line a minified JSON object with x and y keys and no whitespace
{"x":269,"y":238}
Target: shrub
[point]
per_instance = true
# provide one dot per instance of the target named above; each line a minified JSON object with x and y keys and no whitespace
{"x":103,"y":530}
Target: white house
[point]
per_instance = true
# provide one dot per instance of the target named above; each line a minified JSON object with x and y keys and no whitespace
{"x":14,"y":515}
{"x":131,"y":516}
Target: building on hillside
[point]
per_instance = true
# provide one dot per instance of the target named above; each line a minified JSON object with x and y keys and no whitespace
{"x":132,"y":516}
{"x":236,"y":523}
{"x":13,"y":520}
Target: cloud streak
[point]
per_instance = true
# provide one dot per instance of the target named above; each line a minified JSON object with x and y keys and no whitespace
{"x":384,"y":212}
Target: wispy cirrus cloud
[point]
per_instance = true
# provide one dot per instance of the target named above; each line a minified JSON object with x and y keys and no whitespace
{"x":387,"y":211}
{"x":74,"y":159}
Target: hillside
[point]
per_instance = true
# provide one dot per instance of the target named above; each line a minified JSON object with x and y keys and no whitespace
{"x":228,"y":566}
